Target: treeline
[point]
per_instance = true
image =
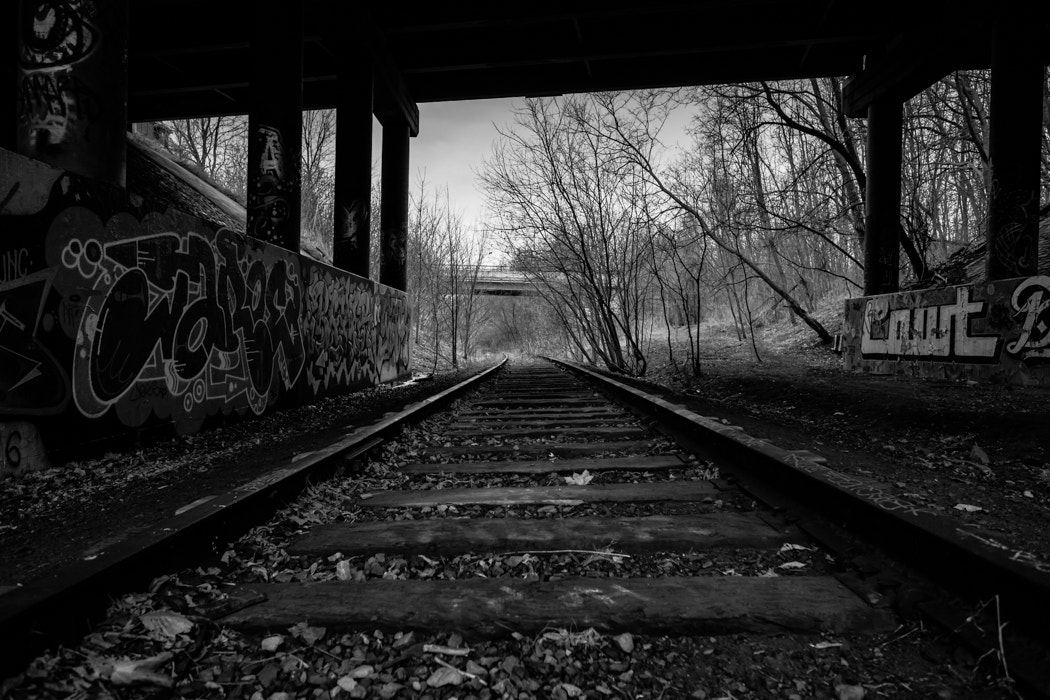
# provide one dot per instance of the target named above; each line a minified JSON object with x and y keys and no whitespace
{"x":759,"y":214}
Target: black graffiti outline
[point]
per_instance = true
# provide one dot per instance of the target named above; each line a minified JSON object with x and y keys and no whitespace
{"x":72,"y":42}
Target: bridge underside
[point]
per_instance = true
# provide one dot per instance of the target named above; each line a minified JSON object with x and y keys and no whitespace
{"x":92,"y":272}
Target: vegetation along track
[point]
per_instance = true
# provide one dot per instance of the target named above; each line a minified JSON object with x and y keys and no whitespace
{"x":537,"y":519}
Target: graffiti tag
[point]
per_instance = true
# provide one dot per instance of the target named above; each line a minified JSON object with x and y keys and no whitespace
{"x":355,"y":330}
{"x":1031,"y":301}
{"x":214,"y":326}
{"x":268,"y":207}
{"x":939,"y":332}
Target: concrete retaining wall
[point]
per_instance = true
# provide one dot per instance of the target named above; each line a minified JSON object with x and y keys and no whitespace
{"x":114,"y":310}
{"x":997,"y":331}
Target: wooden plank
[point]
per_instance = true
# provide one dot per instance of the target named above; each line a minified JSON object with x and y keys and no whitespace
{"x":494,"y":423}
{"x":546,"y":495}
{"x":542,"y":413}
{"x":542,"y":394}
{"x":611,"y":431}
{"x":485,"y":608}
{"x":638,"y":463}
{"x":554,"y":401}
{"x":451,"y":537}
{"x":541,"y":450}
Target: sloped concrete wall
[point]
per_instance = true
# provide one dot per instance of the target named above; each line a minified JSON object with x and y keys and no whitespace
{"x":997,"y":331}
{"x":113,"y":309}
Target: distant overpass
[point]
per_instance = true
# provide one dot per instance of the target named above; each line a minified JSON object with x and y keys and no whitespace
{"x":501,"y":280}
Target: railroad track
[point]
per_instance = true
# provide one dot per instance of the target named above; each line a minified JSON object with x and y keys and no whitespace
{"x":540,"y":428}
{"x":537,"y":509}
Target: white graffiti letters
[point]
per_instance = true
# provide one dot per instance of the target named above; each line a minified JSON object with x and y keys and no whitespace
{"x":939,"y":332}
{"x":1032,"y":300}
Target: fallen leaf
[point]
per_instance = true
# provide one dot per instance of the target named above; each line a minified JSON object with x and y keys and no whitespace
{"x":846,"y":691}
{"x":141,"y":671}
{"x":271,"y":644}
{"x":625,"y":641}
{"x":165,"y":624}
{"x":579,"y":479}
{"x":967,"y":508}
{"x":792,"y":565}
{"x":309,"y":635}
{"x":444,"y":676}
{"x":826,"y":645}
{"x":404,"y":640}
{"x":979,"y":455}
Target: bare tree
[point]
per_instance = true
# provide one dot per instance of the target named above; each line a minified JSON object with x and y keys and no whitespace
{"x":578,"y":225}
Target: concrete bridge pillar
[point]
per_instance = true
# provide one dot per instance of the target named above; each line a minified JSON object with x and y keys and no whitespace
{"x":72,"y":80}
{"x":1015,"y":142}
{"x":353,"y":165}
{"x":883,"y":197}
{"x":9,"y":12}
{"x":275,"y":122}
{"x":393,"y":263}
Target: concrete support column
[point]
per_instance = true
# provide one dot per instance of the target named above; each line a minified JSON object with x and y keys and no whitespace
{"x":72,"y":82}
{"x":275,"y":122}
{"x":353,"y":166}
{"x":393,"y":221}
{"x":883,"y":198}
{"x":1015,"y":142}
{"x":9,"y":12}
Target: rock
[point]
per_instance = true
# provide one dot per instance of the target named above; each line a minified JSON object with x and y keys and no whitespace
{"x":444,"y":676}
{"x":625,"y":641}
{"x":271,"y":644}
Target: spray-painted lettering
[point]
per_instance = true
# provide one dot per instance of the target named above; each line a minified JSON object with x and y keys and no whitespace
{"x":14,"y":265}
{"x":1031,"y":300}
{"x":214,"y":326}
{"x":268,"y":205}
{"x":355,"y":330}
{"x":940,"y":332}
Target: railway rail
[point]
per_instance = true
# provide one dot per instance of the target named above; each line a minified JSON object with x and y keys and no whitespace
{"x":551,"y":501}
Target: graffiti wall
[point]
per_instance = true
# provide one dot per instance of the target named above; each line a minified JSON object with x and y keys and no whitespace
{"x":999,"y":331}
{"x":71,"y":85}
{"x":125,"y":314}
{"x":357,"y":332}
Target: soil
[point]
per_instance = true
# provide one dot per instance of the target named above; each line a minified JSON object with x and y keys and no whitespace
{"x":941,"y":443}
{"x":165,"y":643}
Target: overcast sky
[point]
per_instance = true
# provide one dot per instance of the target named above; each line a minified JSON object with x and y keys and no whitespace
{"x":453,"y":139}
